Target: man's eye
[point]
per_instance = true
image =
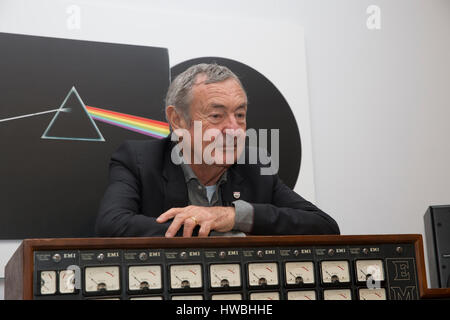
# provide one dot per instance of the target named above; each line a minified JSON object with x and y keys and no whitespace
{"x":215,"y":116}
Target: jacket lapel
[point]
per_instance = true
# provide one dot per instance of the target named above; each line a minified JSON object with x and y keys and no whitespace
{"x":175,"y":193}
{"x":233,"y":189}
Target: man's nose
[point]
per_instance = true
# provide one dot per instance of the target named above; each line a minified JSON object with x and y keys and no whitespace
{"x":231,"y":123}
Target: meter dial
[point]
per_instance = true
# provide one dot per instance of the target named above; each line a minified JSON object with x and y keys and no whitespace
{"x":335,"y":272}
{"x":342,"y":294}
{"x":185,"y":276}
{"x":192,"y":297}
{"x":372,"y":294}
{"x":48,"y":282}
{"x":367,"y":268}
{"x":100,"y":279}
{"x":225,"y":275}
{"x":147,"y":298}
{"x":299,"y":273}
{"x":67,"y":281}
{"x":265,"y":296}
{"x":144,"y":277}
{"x":301,"y":295}
{"x":261,"y":274}
{"x":228,"y":296}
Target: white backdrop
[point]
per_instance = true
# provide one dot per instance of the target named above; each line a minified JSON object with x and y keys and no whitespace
{"x":379,"y":99}
{"x":276,"y":49}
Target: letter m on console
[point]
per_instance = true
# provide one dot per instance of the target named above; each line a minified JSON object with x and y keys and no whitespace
{"x":405,"y":293}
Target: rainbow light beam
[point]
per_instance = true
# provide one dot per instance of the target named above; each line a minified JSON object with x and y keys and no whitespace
{"x":153,"y":128}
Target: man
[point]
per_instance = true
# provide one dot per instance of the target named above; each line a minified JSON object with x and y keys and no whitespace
{"x":160,"y":188}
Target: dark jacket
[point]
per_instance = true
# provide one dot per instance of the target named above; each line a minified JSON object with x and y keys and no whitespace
{"x":144,"y":183}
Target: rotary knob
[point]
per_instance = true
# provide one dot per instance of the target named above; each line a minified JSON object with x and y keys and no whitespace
{"x":259,"y":253}
{"x":56,"y":257}
{"x":100,"y":257}
{"x":222,"y":254}
{"x":183,"y":255}
{"x":143,"y":256}
{"x":331,"y":252}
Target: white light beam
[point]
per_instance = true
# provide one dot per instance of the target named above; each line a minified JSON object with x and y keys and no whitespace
{"x":35,"y":114}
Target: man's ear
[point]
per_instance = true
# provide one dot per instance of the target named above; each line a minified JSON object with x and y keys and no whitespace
{"x":176,"y":121}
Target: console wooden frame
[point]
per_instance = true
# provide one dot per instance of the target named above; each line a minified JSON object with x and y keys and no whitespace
{"x":19,"y":270}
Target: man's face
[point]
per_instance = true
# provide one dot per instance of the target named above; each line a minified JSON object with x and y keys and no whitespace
{"x":221,"y":108}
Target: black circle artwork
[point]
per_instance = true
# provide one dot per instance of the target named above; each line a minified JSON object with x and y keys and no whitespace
{"x":267,"y":109}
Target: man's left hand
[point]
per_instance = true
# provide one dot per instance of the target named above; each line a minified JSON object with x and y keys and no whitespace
{"x":220,"y":219}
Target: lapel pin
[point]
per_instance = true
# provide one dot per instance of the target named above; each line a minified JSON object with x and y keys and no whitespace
{"x":236,"y":194}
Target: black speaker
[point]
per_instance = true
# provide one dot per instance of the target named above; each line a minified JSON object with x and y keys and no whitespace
{"x":437,"y":235}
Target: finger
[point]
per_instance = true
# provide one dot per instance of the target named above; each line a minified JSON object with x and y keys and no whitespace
{"x":189,"y":225}
{"x":205,"y":229}
{"x":169,"y":214}
{"x":175,"y":226}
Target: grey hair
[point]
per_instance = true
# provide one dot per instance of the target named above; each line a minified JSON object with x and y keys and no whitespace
{"x":179,"y":93}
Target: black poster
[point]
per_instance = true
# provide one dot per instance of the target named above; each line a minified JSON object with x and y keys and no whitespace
{"x":65,"y":106}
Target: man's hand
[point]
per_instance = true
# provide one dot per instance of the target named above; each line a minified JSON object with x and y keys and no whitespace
{"x":220,"y":219}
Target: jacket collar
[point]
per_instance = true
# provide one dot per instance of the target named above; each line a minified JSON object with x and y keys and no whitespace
{"x":176,"y":194}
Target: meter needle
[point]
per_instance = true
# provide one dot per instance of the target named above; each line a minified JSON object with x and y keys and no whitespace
{"x":178,"y":278}
{"x":93,"y":280}
{"x":139,"y":281}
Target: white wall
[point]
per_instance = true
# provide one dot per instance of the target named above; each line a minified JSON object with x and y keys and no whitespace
{"x":2,"y":291}
{"x":379,"y":99}
{"x":380,"y":107}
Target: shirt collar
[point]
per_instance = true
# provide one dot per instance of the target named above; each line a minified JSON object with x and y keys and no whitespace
{"x":189,"y":173}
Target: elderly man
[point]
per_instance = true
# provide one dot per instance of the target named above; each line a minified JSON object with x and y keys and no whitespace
{"x":156,"y":189}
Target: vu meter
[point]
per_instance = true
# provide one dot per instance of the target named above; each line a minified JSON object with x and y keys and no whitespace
{"x":191,"y":297}
{"x":184,"y":276}
{"x":372,"y":294}
{"x":342,"y":294}
{"x":48,"y":282}
{"x":369,"y":268}
{"x":265,"y":296}
{"x":225,"y":275}
{"x":227,"y":296}
{"x":144,"y":277}
{"x":299,"y":273}
{"x":262,"y":274}
{"x":301,"y":295}
{"x":67,"y":281}
{"x":101,"y":279}
{"x":335,"y":272}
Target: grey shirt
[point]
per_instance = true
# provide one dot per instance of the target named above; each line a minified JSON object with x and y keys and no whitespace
{"x":200,"y":195}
